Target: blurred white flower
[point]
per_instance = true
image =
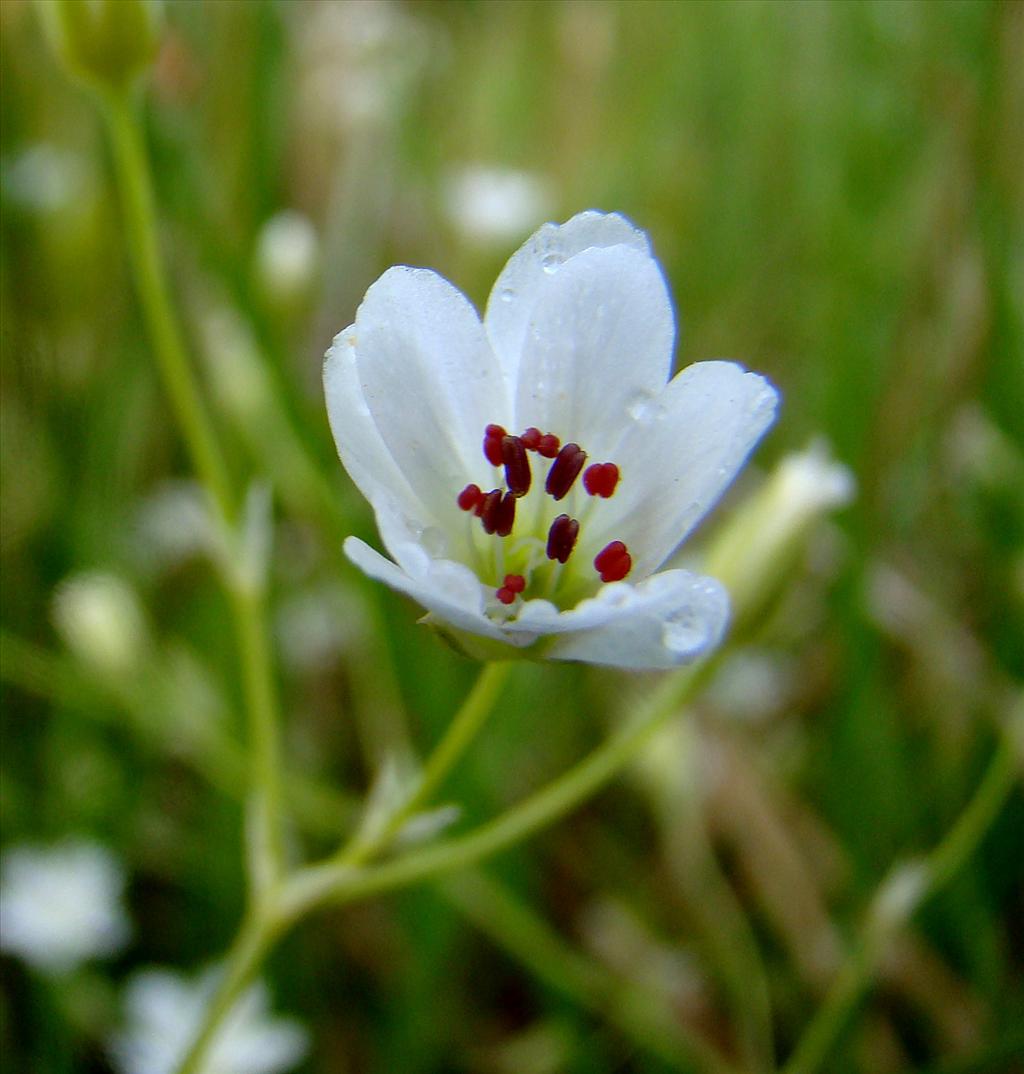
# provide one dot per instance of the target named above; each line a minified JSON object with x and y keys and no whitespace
{"x":100,"y":619}
{"x":313,"y":627}
{"x":574,"y":350}
{"x":357,"y":60}
{"x":287,"y":255}
{"x":489,"y":204}
{"x":47,"y":178}
{"x":172,"y":524}
{"x":61,"y":906}
{"x":163,"y":1012}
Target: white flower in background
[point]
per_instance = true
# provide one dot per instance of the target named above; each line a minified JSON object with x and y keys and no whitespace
{"x":287,"y":255}
{"x":172,"y":524}
{"x":163,"y":1013}
{"x":100,"y":619}
{"x":488,"y":204}
{"x":530,"y":473}
{"x":47,"y":178}
{"x":61,"y":906}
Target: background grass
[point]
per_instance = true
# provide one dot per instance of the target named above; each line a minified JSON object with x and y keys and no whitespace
{"x":834,"y":190}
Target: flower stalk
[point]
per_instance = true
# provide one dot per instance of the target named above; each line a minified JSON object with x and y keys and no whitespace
{"x":265,"y":839}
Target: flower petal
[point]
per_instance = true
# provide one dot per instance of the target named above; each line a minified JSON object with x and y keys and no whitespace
{"x":362,"y":450}
{"x":429,"y":380}
{"x":600,"y":340}
{"x":667,"y":620}
{"x":528,"y":273}
{"x":449,"y":590}
{"x":678,"y":456}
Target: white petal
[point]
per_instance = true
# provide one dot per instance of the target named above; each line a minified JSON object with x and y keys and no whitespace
{"x":678,"y":456}
{"x":362,"y":450}
{"x":667,"y":620}
{"x":449,"y":590}
{"x":600,"y":342}
{"x":430,"y":381}
{"x":528,"y":273}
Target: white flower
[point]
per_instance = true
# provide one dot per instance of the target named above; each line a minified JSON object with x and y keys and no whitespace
{"x":489,"y":204}
{"x":504,"y":547}
{"x":164,"y":1012}
{"x":60,"y":906}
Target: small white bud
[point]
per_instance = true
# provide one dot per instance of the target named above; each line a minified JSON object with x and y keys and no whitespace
{"x":764,"y":536}
{"x":99,"y":617}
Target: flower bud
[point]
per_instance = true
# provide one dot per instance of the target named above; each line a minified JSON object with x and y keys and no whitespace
{"x":762,"y":539}
{"x":105,"y":43}
{"x":99,"y":617}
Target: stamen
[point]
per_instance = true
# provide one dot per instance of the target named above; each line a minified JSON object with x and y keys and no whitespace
{"x":517,"y":465}
{"x":493,"y":435}
{"x":601,"y":479}
{"x":613,"y":562}
{"x":505,"y":516}
{"x":469,"y":497}
{"x":505,"y":595}
{"x":515,"y":582}
{"x":565,"y":470}
{"x":562,"y":538}
{"x":548,"y":445}
{"x":489,"y":506}
{"x":531,"y":438}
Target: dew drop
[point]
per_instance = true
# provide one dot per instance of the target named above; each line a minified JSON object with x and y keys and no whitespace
{"x":550,"y":262}
{"x":507,"y":294}
{"x":644,"y":408}
{"x":682,"y":631}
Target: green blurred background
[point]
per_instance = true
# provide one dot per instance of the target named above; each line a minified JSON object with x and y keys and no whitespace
{"x":835,"y":192}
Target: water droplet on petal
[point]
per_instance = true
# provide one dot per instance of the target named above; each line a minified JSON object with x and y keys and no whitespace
{"x":683,"y":631}
{"x":507,"y":294}
{"x":551,"y":261}
{"x":644,"y":408}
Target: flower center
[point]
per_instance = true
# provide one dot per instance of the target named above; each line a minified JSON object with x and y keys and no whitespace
{"x":533,"y":546}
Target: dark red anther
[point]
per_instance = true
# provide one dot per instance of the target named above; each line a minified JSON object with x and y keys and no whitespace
{"x":562,"y":538}
{"x":531,"y":438}
{"x":505,"y":595}
{"x":517,"y":465}
{"x":469,"y":497}
{"x":565,"y":469}
{"x":505,"y":516}
{"x":492,"y":444}
{"x":613,"y":562}
{"x":601,"y":479}
{"x":488,"y":510}
{"x":548,"y":445}
{"x":515,"y":582}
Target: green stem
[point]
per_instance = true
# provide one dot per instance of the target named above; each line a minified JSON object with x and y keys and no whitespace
{"x":134,"y":181}
{"x":461,"y":731}
{"x":264,"y":830}
{"x":342,"y":882}
{"x":257,"y":935}
{"x":265,"y":841}
{"x":897,"y":901}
